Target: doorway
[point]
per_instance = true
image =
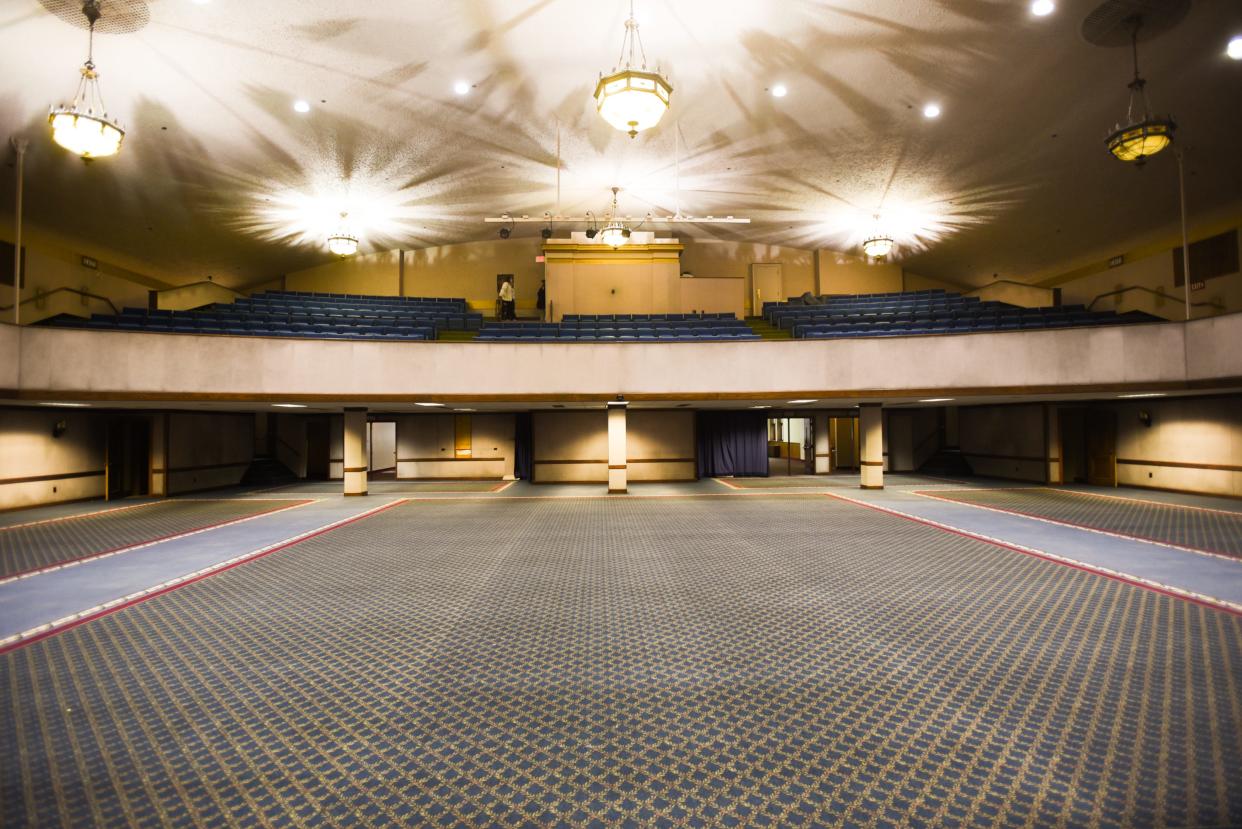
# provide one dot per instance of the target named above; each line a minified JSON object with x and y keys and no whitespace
{"x":1088,"y":446}
{"x":844,"y":440}
{"x":318,"y":448}
{"x":791,"y":446}
{"x":127,"y":462}
{"x":382,"y":448}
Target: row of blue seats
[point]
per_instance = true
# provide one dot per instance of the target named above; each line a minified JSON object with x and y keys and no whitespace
{"x":250,"y":306}
{"x":1004,"y":312}
{"x":886,"y":329}
{"x":370,"y":298}
{"x":592,"y":325}
{"x":725,"y":315}
{"x":614,"y":328}
{"x":319,"y":331}
{"x":227,"y":316}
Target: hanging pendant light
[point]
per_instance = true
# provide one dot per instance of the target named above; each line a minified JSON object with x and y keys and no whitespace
{"x":1146,"y":135}
{"x":84,"y":128}
{"x":877,"y":247}
{"x":614,"y":233}
{"x":631,"y":99}
{"x":343,"y":243}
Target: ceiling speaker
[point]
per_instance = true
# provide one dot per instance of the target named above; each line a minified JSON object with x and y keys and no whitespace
{"x":117,"y":17}
{"x":1112,"y":22}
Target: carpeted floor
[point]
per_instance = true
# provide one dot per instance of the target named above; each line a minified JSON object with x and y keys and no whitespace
{"x":391,"y":487}
{"x":666,"y":662}
{"x":45,"y":543}
{"x":834,"y":481}
{"x":1213,"y":530}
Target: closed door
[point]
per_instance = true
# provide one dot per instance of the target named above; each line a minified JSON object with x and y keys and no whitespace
{"x":765,"y":286}
{"x":1102,"y":447}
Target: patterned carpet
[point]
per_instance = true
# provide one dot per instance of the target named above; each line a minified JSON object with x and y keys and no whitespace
{"x":834,"y":481}
{"x":1216,"y":531}
{"x":792,"y":661}
{"x":391,"y":487}
{"x":37,"y":545}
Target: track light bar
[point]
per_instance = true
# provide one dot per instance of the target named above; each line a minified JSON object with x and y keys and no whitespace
{"x":670,"y":220}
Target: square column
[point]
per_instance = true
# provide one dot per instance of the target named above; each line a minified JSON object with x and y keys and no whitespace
{"x":823,"y":443}
{"x":617,"y":467}
{"x":159,"y":456}
{"x":871,"y":450}
{"x":355,"y":452}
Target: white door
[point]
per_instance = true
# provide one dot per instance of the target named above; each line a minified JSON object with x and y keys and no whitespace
{"x":766,"y":285}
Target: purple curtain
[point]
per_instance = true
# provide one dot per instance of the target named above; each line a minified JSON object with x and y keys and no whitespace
{"x":733,"y":443}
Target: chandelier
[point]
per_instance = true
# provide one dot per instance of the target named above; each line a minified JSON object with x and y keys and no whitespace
{"x":615,"y":233}
{"x":1146,"y":135}
{"x":84,"y":127}
{"x":877,"y":246}
{"x":342,"y":242}
{"x":630,"y":99}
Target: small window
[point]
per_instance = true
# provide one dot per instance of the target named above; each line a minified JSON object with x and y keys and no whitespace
{"x":1209,"y":258}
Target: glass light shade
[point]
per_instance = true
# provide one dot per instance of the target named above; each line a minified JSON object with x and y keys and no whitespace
{"x":614,"y":234}
{"x":84,"y":133}
{"x":633,"y":101}
{"x":877,"y":247}
{"x":342,"y":244}
{"x":1138,"y":141}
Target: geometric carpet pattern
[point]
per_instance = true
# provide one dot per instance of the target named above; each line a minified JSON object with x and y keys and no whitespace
{"x":833,"y":481}
{"x":1215,"y":531}
{"x":792,"y":661}
{"x":391,"y":487}
{"x":29,"y":547}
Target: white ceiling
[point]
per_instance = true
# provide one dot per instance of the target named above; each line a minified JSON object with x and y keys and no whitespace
{"x":219,"y":176}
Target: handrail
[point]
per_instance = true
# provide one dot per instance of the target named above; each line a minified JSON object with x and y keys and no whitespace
{"x":1214,"y":303}
{"x":41,"y":297}
{"x":200,"y":282}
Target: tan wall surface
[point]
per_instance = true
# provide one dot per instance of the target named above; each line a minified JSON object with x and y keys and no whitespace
{"x":719,"y":258}
{"x":425,"y":447}
{"x":581,"y":437}
{"x":1004,"y":441}
{"x":208,"y":450}
{"x":291,"y":443}
{"x":1024,"y":296}
{"x":664,"y":435}
{"x":195,"y":295}
{"x":710,"y":295}
{"x":28,"y":450}
{"x":371,"y":273}
{"x":1186,"y":436}
{"x":843,"y":273}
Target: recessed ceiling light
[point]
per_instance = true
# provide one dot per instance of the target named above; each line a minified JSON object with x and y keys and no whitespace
{"x":800,"y":402}
{"x":780,"y":91}
{"x":937,"y":400}
{"x":1234,"y":49}
{"x":290,"y":405}
{"x":462,"y":87}
{"x":465,"y":410}
{"x":1143,"y":394}
{"x":931,"y":111}
{"x":761,"y":407}
{"x":201,"y":2}
{"x":1043,"y":8}
{"x":431,"y":405}
{"x":67,"y":405}
{"x":301,"y":106}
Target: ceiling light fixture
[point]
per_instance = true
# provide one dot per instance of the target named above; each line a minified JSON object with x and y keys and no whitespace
{"x":878,"y":246}
{"x":431,"y":405}
{"x":800,"y":402}
{"x":1043,"y":8}
{"x":342,"y":242}
{"x":67,"y":405}
{"x":301,"y":106}
{"x":938,"y":400}
{"x":84,"y":128}
{"x":1146,"y":135}
{"x":1234,"y":49}
{"x":931,"y":111}
{"x":1141,"y":394}
{"x":630,"y":99}
{"x":779,"y":91}
{"x":289,"y":405}
{"x":462,"y":87}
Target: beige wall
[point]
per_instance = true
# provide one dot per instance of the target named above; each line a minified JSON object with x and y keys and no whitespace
{"x":572,"y":447}
{"x":911,"y":437}
{"x":291,"y":443}
{"x":28,"y":450}
{"x":843,"y":273}
{"x":710,"y":295}
{"x":208,"y":450}
{"x":469,"y":271}
{"x":372,"y":273}
{"x":1151,"y":265}
{"x":194,"y":295}
{"x":588,"y":278}
{"x":425,"y":447}
{"x":1004,"y":441}
{"x":1025,"y":296}
{"x":660,"y":445}
{"x":1186,"y":435}
{"x":719,"y":258}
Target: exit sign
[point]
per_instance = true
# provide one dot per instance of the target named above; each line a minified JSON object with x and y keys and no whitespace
{"x":1117,"y":261}
{"x":1196,"y":286}
{"x":539,"y":260}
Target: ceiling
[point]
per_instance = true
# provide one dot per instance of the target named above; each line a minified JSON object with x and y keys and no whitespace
{"x":220,"y":176}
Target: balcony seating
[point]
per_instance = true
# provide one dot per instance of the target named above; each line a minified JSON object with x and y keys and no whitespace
{"x":926,"y":312}
{"x":623,"y":328}
{"x":300,"y":314}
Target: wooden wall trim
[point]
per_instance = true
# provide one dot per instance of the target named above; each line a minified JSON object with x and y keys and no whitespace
{"x":450,"y":459}
{"x":1215,"y":467}
{"x":206,"y":466}
{"x":604,"y":460}
{"x":1004,"y":457}
{"x":57,"y":477}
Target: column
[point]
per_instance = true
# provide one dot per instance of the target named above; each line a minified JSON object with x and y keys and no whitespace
{"x":159,"y":455}
{"x":823,"y":443}
{"x":616,"y":447}
{"x":355,"y":451}
{"x":871,"y":452}
{"x":1052,"y":445}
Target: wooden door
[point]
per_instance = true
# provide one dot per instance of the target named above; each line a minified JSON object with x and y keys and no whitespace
{"x":766,"y":285}
{"x":318,"y":455}
{"x":1101,"y":447}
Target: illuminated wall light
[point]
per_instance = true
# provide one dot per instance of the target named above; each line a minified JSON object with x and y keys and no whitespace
{"x":60,"y":405}
{"x":289,"y":405}
{"x":430,"y":405}
{"x":1142,"y":394}
{"x":462,"y":87}
{"x":802,"y":402}
{"x":938,"y":400}
{"x":780,"y":91}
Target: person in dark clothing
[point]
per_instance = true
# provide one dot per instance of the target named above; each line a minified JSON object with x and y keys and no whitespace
{"x":541,"y":298}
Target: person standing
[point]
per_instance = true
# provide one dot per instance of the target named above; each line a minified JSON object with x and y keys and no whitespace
{"x":541,"y":298}
{"x":507,"y":309}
